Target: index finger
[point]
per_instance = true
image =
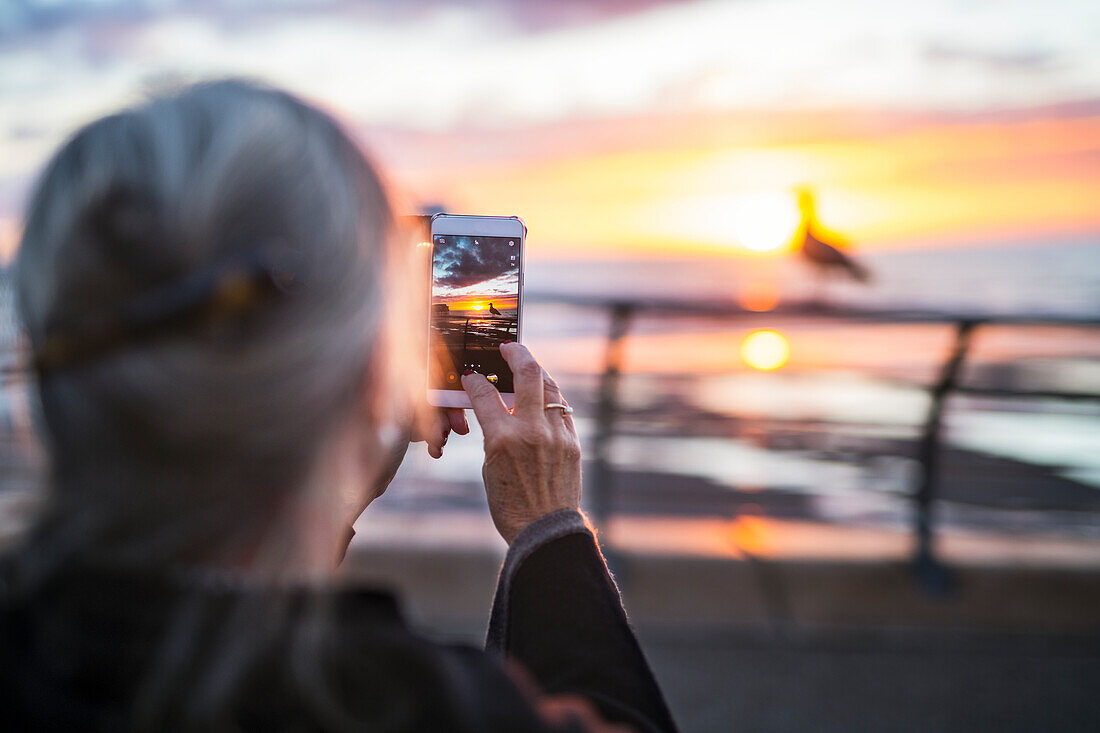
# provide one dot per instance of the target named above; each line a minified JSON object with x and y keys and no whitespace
{"x":527,"y":378}
{"x":488,"y":407}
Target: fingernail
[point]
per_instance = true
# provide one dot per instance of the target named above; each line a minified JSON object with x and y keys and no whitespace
{"x":506,"y":342}
{"x":468,"y":372}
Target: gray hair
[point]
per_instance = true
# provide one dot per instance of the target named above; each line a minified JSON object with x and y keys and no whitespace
{"x":226,"y":417}
{"x":186,"y":443}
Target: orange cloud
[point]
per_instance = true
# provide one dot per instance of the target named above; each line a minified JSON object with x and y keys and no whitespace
{"x":666,"y":186}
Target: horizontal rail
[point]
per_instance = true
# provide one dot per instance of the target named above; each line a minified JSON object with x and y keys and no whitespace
{"x":815,"y":310}
{"x":1026,"y":394}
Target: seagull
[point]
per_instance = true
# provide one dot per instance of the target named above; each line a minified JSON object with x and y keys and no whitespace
{"x":493,"y":310}
{"x":811,"y":241}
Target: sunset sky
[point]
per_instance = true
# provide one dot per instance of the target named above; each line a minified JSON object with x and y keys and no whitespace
{"x":472,"y":275}
{"x":632,"y":128}
{"x":478,"y":305}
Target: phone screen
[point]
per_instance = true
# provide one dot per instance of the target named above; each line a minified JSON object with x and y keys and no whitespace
{"x":475,"y":308}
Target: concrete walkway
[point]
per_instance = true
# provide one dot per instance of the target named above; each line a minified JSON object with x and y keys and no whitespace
{"x":811,"y":631}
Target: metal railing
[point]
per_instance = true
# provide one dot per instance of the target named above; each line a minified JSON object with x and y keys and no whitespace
{"x":622,"y":314}
{"x":931,"y":572}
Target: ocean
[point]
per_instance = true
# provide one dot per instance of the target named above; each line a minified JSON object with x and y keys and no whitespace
{"x":1060,"y":277}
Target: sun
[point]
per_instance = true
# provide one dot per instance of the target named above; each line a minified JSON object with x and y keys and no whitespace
{"x":764,"y":221}
{"x":477,"y":307}
{"x":761,"y":221}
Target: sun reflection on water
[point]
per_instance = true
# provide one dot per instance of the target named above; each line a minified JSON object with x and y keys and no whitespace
{"x":765,"y":350}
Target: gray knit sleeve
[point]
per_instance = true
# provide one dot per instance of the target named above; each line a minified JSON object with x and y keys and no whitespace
{"x":532,"y":537}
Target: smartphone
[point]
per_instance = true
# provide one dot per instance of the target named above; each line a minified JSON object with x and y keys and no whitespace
{"x":476,"y":303}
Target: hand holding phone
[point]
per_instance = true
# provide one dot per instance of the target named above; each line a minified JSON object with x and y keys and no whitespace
{"x":476,"y":303}
{"x":532,"y":455}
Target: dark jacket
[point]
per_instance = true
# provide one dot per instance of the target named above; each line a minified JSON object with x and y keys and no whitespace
{"x":74,"y":656}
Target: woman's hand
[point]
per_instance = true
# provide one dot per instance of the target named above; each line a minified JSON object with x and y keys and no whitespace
{"x":445,"y":419}
{"x":532,"y":455}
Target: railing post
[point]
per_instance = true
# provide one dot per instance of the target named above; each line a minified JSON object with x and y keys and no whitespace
{"x":599,"y":488}
{"x":931,"y":573}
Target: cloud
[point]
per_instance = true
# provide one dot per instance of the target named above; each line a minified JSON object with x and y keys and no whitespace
{"x":21,"y":17}
{"x":460,"y":264}
{"x":1001,"y":61}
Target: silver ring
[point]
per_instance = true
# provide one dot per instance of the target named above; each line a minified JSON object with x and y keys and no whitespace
{"x":565,"y":409}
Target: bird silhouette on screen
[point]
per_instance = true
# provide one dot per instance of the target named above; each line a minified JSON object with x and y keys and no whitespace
{"x":821,"y":248}
{"x":493,"y":310}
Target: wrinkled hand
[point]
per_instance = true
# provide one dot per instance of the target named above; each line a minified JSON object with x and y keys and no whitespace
{"x":532,"y":455}
{"x":436,"y":434}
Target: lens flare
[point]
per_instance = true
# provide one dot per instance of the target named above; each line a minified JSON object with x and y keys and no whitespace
{"x":765,"y":350}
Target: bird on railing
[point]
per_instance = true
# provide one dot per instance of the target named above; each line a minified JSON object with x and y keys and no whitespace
{"x":813,"y":241}
{"x":493,"y":311}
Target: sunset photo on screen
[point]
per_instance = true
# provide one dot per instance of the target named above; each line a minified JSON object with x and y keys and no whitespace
{"x":475,"y":307}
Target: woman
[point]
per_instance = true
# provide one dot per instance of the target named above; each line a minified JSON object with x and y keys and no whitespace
{"x":203,"y":281}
